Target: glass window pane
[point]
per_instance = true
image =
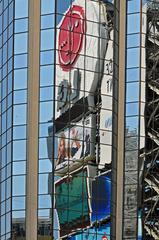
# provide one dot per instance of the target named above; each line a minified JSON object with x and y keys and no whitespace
{"x":10,"y":12}
{"x":132,"y":125}
{"x":3,"y":191}
{"x":10,"y":82}
{"x":20,"y":215}
{"x":47,"y":21}
{"x":133,"y":6}
{"x":20,"y":43}
{"x":133,"y":40}
{"x":19,"y":168}
{"x":19,"y":115}
{"x":20,"y":96}
{"x":10,"y":47}
{"x":5,"y":3}
{"x":8,"y":205}
{"x":4,"y":36}
{"x":46,"y":94}
{"x":43,"y":148}
{"x":2,"y":225}
{"x":19,"y":132}
{"x":131,"y":143}
{"x":8,"y":188}
{"x":9,"y":135}
{"x":44,"y":213}
{"x":4,"y":70}
{"x":133,"y":57}
{"x":9,"y":117}
{"x":18,"y":185}
{"x":43,"y":183}
{"x":8,"y":223}
{"x":21,"y":8}
{"x":132,"y":92}
{"x":5,"y":18}
{"x":47,"y":39}
{"x":18,"y":203}
{"x":133,"y":23}
{"x":45,"y":166}
{"x":46,"y":75}
{"x":20,"y":79}
{"x":20,"y":61}
{"x":3,"y":116}
{"x":43,"y":129}
{"x":4,"y":88}
{"x":46,"y":111}
{"x":47,"y":57}
{"x":132,"y":109}
{"x":44,"y":201}
{"x":10,"y":33}
{"x":21,"y":25}
{"x":133,"y":75}
{"x":9,"y":152}
{"x":9,"y":172}
{"x":62,"y":6}
{"x":4,"y":53}
{"x":47,"y":6}
{"x":19,"y":150}
{"x":10,"y":65}
{"x":1,"y":7}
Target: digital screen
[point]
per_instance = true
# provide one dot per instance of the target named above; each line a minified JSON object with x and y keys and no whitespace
{"x":101,"y":197}
{"x":72,"y":202}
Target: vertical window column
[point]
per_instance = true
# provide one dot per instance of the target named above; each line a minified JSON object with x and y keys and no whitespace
{"x":132,"y":132}
{"x":46,"y":109}
{"x":20,"y":81}
{"x":6,"y":73}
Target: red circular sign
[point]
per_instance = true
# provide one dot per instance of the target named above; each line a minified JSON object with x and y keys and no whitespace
{"x":71,"y":36}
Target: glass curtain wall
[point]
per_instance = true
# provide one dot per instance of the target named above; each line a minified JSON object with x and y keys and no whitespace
{"x":46,"y":109}
{"x":150,"y":181}
{"x":142,"y":120}
{"x":75,"y":124}
{"x":6,"y":73}
{"x":13,"y":64}
{"x":19,"y":133}
{"x":141,"y":148}
{"x":134,"y":120}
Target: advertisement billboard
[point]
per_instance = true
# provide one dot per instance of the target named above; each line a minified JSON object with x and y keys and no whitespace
{"x":88,"y":202}
{"x":72,"y":200}
{"x":85,"y":63}
{"x":82,"y":37}
{"x":82,"y":129}
{"x":74,"y":145}
{"x":101,"y":197}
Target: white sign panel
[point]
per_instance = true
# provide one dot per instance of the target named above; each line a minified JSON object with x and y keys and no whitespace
{"x":106,"y":107}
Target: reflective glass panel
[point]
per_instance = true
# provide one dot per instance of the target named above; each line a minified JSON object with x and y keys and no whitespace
{"x":47,"y":6}
{"x":18,"y":185}
{"x":21,"y":8}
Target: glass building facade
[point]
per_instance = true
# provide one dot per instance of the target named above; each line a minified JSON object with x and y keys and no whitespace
{"x":13,"y":102}
{"x":69,"y":51}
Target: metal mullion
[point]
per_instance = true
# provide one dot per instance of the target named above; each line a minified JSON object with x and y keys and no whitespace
{"x":54,"y":99}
